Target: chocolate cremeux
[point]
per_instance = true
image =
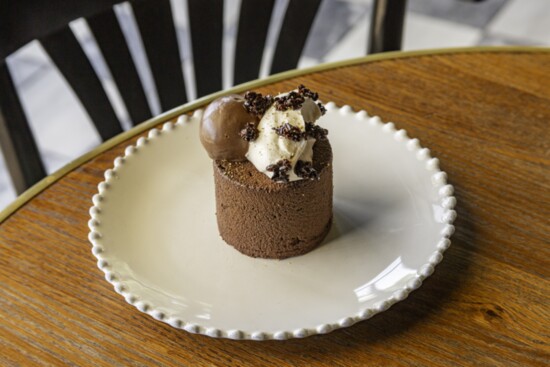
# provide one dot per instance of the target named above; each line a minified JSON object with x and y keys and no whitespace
{"x":272,"y":172}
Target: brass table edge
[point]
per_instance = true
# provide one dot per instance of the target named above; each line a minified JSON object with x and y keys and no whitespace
{"x":168,"y":115}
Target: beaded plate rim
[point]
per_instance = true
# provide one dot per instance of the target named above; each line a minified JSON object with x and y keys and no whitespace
{"x":439,"y":181}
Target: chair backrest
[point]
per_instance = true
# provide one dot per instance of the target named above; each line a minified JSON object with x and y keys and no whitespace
{"x":23,"y":21}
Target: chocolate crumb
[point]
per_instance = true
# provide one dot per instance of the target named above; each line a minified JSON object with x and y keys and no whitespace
{"x":290,"y":101}
{"x":305,"y":170}
{"x":307,"y":92}
{"x":315,"y":131}
{"x":280,"y":170}
{"x":250,"y":132}
{"x":289,"y":131}
{"x":322,"y":108}
{"x":256,"y":104}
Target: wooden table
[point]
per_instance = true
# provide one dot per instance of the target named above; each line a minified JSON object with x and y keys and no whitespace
{"x":484,"y":113}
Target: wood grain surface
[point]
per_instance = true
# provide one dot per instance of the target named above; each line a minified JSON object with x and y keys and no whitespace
{"x":486,"y":116}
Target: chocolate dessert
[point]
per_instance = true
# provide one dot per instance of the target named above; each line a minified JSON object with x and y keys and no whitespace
{"x":272,"y":171}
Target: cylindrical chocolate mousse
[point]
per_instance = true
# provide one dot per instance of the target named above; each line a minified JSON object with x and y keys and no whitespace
{"x":267,"y":219}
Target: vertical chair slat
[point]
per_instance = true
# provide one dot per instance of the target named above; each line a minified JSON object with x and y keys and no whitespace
{"x":252,"y":33}
{"x":111,"y":41}
{"x":297,"y":23}
{"x":16,"y":140}
{"x":158,"y":33}
{"x":23,"y":21}
{"x":206,"y":22}
{"x":72,"y":62}
{"x":386,"y":25}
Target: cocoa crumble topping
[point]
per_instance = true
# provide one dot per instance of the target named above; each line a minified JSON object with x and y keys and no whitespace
{"x":289,"y":131}
{"x":294,"y":133}
{"x":307,"y":92}
{"x":256,"y":104}
{"x":305,"y":170}
{"x":322,"y":108}
{"x":290,"y":101}
{"x":315,"y":131}
{"x":280,"y":170}
{"x":250,"y":132}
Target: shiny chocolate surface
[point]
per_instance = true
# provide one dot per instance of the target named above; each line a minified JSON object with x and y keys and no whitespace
{"x":220,"y":128}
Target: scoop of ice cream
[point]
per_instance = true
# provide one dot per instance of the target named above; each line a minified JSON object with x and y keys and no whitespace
{"x":285,"y":138}
{"x":221,"y":126}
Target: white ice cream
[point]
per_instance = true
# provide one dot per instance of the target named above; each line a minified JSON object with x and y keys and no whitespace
{"x":269,"y":148}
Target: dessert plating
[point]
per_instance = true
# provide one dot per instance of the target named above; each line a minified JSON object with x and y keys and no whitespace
{"x":272,"y":171}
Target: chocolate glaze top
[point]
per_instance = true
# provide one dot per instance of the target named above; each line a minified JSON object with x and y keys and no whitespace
{"x":220,"y":128}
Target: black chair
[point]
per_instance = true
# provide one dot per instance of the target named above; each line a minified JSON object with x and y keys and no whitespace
{"x":47,"y":21}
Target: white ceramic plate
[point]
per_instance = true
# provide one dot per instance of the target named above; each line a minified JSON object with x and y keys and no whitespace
{"x":154,"y":233}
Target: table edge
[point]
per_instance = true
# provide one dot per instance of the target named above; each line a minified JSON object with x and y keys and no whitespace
{"x":41,"y":185}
